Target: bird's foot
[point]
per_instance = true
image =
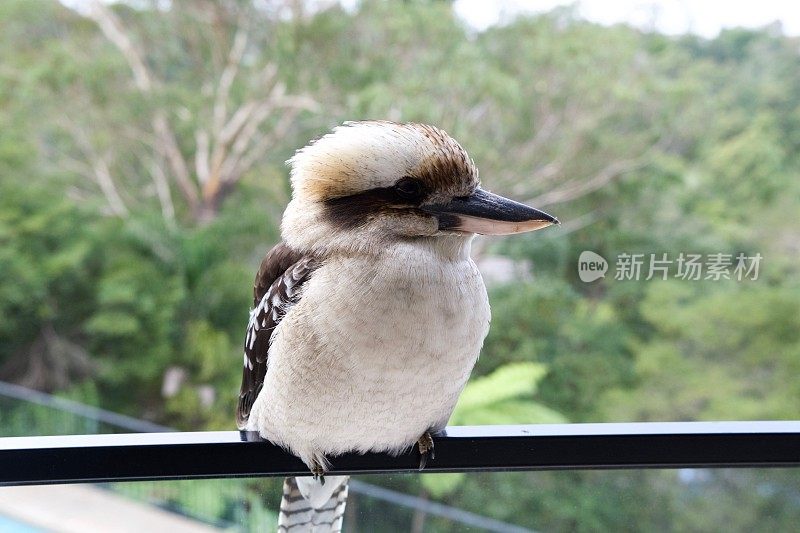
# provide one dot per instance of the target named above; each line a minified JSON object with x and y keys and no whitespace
{"x":425,"y":445}
{"x":319,"y":472}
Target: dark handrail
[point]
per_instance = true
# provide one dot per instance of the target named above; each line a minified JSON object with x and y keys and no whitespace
{"x":143,"y":456}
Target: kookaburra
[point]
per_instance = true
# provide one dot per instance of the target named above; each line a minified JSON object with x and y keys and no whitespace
{"x":369,"y":316}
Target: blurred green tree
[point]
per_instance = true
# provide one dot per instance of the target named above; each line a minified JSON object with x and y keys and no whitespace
{"x":141,"y":155}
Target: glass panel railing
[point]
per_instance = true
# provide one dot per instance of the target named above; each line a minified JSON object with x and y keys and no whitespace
{"x":21,"y":419}
{"x":229,"y":504}
{"x":25,"y":412}
{"x":735,"y":500}
{"x":679,"y":499}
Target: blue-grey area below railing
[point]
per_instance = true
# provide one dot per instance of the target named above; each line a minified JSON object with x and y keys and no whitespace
{"x":214,"y":454}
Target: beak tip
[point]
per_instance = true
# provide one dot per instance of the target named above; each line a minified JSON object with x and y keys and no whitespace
{"x":549,"y":219}
{"x":489,"y":214}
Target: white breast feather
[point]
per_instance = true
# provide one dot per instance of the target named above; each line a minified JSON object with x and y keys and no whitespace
{"x":375,"y":353}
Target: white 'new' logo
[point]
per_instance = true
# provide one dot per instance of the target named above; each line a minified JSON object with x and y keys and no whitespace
{"x":591,"y":266}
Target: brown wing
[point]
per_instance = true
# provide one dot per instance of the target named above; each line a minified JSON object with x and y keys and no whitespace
{"x":277,"y":287}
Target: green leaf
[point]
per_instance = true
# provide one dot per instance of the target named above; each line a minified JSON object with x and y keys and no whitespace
{"x":504,"y":397}
{"x":506,"y":382}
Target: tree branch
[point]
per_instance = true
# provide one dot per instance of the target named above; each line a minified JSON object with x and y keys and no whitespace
{"x":227,"y":77}
{"x":114,"y":31}
{"x":237,"y":163}
{"x":163,"y":192}
{"x":97,"y":169}
{"x":263,"y":144}
{"x":175,"y":158}
{"x":201,"y":156}
{"x":578,"y":188}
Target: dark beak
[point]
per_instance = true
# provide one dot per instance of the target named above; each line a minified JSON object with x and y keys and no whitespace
{"x":488,"y":214}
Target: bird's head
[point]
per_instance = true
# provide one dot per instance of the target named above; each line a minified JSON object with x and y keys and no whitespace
{"x":367,"y":184}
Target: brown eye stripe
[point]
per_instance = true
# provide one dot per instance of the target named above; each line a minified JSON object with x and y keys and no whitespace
{"x":355,"y":210}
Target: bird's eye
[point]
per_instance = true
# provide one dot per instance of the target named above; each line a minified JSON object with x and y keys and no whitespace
{"x":408,"y":188}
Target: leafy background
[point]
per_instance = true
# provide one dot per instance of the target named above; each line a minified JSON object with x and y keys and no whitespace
{"x":142,"y":179}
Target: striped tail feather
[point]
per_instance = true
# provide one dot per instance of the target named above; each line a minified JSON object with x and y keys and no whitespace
{"x":308,"y":505}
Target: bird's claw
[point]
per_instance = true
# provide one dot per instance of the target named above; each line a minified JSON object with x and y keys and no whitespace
{"x":425,"y":445}
{"x":318,"y":472}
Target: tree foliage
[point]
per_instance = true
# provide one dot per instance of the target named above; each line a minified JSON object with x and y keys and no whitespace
{"x":141,"y":154}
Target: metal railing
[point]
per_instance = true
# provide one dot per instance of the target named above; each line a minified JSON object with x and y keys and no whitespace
{"x":79,"y":418}
{"x":42,"y":460}
{"x":216,"y":454}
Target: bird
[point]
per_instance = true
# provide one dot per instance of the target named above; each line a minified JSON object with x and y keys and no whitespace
{"x":370,"y":314}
